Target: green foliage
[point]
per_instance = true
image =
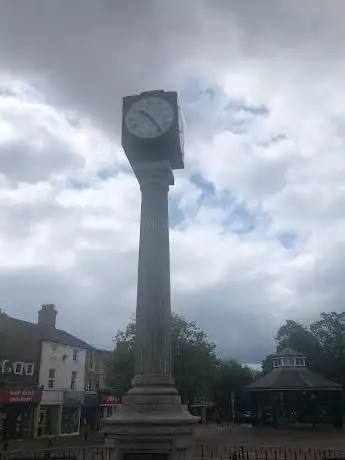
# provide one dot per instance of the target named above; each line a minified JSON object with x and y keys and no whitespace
{"x":231,"y":377}
{"x":323,"y":342}
{"x":266,"y":364}
{"x":294,"y":335}
{"x":198,"y":373}
{"x":329,"y":331}
{"x":194,"y":360}
{"x":119,"y":368}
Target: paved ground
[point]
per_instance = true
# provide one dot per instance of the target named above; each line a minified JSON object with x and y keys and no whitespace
{"x":90,"y":439}
{"x":214,"y":441}
{"x":307,"y":437}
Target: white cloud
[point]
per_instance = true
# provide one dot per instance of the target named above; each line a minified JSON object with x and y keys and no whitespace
{"x":70,"y":206}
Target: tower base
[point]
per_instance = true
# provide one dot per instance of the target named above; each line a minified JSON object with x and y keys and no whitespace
{"x":151,"y":424}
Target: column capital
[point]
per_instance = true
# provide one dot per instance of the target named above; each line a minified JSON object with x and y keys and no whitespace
{"x":154,"y":172}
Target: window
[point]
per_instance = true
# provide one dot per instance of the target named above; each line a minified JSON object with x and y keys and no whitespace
{"x":90,"y":386}
{"x":51,"y":378}
{"x":91,"y":359}
{"x":300,"y":362}
{"x":29,"y":369}
{"x":285,"y":362}
{"x":64,"y":357}
{"x":276,"y":362}
{"x":73,"y":379}
{"x":19,"y":368}
{"x":75,"y":355}
{"x":291,"y":361}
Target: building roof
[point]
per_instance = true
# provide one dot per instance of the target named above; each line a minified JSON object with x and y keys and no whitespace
{"x":292,"y":378}
{"x":31,"y":332}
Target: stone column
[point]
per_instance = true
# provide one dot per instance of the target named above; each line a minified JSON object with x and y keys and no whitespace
{"x":153,"y":312}
{"x":152,"y":422}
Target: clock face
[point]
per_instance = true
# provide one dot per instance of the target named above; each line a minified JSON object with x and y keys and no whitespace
{"x":149,"y":117}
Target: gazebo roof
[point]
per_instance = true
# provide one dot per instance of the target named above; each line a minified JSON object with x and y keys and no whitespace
{"x":292,"y":378}
{"x":288,"y":352}
{"x":290,"y":373}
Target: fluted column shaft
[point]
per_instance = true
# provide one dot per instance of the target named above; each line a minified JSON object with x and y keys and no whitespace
{"x":153,"y":312}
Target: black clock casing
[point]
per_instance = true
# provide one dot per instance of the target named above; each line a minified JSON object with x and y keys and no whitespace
{"x":166,"y":147}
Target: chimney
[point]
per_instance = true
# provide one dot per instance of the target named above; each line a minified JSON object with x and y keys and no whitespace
{"x":47,"y":315}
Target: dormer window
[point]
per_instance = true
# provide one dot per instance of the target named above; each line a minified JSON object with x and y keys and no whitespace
{"x":276,"y":363}
{"x":300,"y":362}
{"x":288,"y":360}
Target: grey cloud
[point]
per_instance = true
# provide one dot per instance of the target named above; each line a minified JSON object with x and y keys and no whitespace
{"x":86,"y":55}
{"x":92,"y":308}
{"x":238,"y":324}
{"x":20,"y":162}
{"x":91,"y":59}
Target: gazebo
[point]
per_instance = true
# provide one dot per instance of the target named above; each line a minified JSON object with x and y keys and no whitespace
{"x":291,"y":393}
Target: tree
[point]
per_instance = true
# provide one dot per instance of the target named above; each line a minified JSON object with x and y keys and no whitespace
{"x":266,"y":364}
{"x":232,"y":377}
{"x":120,"y":368}
{"x":300,"y":338}
{"x":329,"y":331}
{"x":293,"y":335}
{"x":194,"y":360}
{"x":323,"y":342}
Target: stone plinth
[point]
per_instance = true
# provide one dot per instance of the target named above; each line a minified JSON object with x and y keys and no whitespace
{"x":152,"y":419}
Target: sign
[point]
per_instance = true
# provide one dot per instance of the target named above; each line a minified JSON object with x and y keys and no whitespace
{"x":90,"y":400}
{"x":109,"y":400}
{"x":73,"y":397}
{"x":26,"y":396}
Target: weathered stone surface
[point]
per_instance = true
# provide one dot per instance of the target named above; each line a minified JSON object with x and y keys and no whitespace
{"x":152,"y":418}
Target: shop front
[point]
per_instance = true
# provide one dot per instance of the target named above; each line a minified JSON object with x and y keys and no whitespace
{"x":49,"y":422}
{"x":71,"y":412}
{"x":108,"y":405}
{"x":90,"y":411}
{"x":18,"y":409}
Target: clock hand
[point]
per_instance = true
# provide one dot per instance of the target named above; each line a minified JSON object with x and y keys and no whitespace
{"x":147,"y":115}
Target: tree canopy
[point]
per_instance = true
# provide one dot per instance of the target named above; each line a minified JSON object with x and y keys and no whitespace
{"x":198,"y":373}
{"x":323,"y":342}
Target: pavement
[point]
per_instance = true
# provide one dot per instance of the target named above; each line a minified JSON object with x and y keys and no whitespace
{"x":215,"y":438}
{"x":86,"y":438}
{"x":298,"y":436}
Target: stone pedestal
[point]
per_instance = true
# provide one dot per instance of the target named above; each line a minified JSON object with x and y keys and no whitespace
{"x":152,"y":422}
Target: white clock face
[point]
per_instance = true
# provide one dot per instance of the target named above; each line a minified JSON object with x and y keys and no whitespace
{"x":149,"y":117}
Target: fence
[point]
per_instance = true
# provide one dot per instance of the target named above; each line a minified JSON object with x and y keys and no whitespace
{"x":203,"y":452}
{"x":221,"y":452}
{"x":71,"y":453}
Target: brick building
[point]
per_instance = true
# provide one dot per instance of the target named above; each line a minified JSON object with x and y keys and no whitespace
{"x":42,"y":377}
{"x":20,"y":393}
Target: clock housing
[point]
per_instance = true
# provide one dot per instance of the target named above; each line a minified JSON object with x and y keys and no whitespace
{"x":152,"y":128}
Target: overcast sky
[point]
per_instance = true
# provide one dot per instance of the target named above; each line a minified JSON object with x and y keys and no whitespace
{"x":258,"y":214}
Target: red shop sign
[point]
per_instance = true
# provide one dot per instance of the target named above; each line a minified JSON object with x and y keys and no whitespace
{"x":108,"y":400}
{"x":32,"y":395}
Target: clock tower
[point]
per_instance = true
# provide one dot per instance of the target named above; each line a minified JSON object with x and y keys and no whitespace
{"x":152,"y":128}
{"x":152,"y":421}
